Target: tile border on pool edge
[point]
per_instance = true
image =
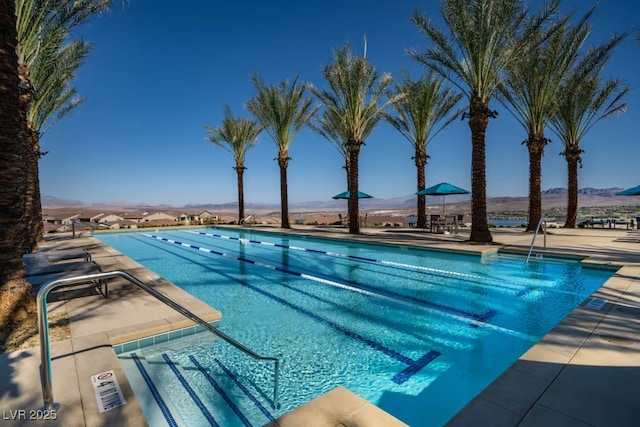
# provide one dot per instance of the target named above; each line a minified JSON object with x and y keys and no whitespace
{"x":163,"y":337}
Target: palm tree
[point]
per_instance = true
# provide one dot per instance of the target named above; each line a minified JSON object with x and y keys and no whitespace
{"x":585,"y":101}
{"x":352,"y":103}
{"x":51,"y":73}
{"x":11,"y":172}
{"x":42,"y":27}
{"x":283,"y":111}
{"x":422,"y":112}
{"x":531,"y":92}
{"x":484,"y":37}
{"x":236,"y":135}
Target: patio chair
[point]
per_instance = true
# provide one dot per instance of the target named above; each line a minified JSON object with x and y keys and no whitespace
{"x":67,"y":255}
{"x":38,"y":276}
{"x":435,"y":223}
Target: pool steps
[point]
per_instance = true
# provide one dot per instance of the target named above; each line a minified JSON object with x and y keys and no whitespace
{"x":215,"y":393}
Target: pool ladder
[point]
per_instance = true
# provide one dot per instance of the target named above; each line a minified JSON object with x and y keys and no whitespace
{"x":244,"y":220}
{"x":544,"y":229}
{"x":43,"y":327}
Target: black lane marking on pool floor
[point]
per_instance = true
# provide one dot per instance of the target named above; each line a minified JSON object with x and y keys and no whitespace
{"x":413,"y":366}
{"x":198,"y":402}
{"x":230,"y":403}
{"x":162,"y":405}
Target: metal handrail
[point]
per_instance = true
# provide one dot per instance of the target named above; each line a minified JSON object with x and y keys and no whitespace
{"x":544,"y":229}
{"x":244,"y":220}
{"x":43,"y":326}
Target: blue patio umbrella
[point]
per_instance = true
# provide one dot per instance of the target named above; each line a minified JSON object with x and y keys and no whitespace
{"x":346,"y":194}
{"x":633,"y":191}
{"x":442,"y":189}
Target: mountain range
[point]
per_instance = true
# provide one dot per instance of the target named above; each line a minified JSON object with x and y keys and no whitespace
{"x":551,"y":198}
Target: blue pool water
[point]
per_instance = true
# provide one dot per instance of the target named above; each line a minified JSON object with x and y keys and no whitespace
{"x":418,"y":333}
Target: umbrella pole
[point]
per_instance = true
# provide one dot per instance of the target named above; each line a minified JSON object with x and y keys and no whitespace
{"x":443,"y":207}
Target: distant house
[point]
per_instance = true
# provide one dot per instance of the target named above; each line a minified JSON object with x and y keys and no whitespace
{"x":197,"y":217}
{"x":117,"y":225}
{"x":134,"y":216}
{"x":110,"y":218}
{"x":159,"y":217}
{"x":70,"y":219}
{"x":96,"y":218}
{"x":207,"y":217}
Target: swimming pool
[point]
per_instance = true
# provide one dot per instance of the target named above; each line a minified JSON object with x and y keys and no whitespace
{"x":418,"y":333}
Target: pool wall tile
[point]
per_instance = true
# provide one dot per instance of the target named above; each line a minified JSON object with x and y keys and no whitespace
{"x":145,"y":342}
{"x":159,"y":338}
{"x":130,"y":346}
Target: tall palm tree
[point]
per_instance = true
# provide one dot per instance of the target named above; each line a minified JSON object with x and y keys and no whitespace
{"x":353,"y":103}
{"x":585,"y":101}
{"x":422,"y":112}
{"x":283,"y":111}
{"x":11,"y":172}
{"x":51,"y":73}
{"x":236,"y":135}
{"x":531,"y":92}
{"x":483,"y":37}
{"x":42,"y":25}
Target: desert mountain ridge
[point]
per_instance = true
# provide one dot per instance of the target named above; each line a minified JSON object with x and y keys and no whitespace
{"x":551,"y":198}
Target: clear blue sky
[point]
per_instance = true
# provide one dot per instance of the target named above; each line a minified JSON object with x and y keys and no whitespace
{"x":162,"y":70}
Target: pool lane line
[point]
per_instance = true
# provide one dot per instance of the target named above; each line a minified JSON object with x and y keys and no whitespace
{"x":221,"y":392}
{"x":504,"y":286}
{"x":190,"y":390}
{"x":473,"y":319}
{"x":414,"y":365}
{"x":162,"y":405}
{"x":339,"y":255}
{"x":362,"y":288}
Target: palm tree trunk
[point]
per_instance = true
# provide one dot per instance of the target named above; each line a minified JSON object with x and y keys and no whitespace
{"x":478,"y":121}
{"x":283,"y":162}
{"x":421,"y":161}
{"x":535,"y":146}
{"x":240,"y":172}
{"x":354,"y":150}
{"x":12,"y":180}
{"x":31,"y":153}
{"x":572,"y":191}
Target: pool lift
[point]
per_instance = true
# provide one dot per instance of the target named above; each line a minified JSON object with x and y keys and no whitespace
{"x":43,"y":328}
{"x":535,"y":234}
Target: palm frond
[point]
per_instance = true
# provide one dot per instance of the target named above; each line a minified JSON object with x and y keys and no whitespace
{"x":236,"y":135}
{"x":425,"y":108}
{"x":282,"y":110}
{"x":354,"y":96}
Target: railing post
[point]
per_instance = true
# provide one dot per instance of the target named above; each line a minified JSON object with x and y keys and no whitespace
{"x":45,"y":354}
{"x":535,"y":234}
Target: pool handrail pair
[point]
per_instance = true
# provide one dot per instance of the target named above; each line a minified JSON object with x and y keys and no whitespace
{"x":43,"y":327}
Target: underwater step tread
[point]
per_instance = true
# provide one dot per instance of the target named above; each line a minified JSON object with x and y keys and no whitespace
{"x":236,"y":402}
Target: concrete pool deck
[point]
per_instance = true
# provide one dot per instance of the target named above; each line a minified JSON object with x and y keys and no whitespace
{"x":585,"y":372}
